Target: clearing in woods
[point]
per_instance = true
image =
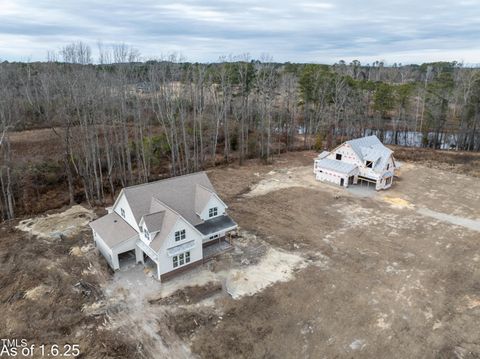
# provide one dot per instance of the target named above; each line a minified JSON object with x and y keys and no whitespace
{"x":317,"y":271}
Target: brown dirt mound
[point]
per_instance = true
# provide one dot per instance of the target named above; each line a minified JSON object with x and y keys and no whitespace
{"x":43,"y":292}
{"x":190,"y":294}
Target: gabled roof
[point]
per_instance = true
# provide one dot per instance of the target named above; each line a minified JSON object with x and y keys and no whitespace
{"x":113,"y":229}
{"x":371,"y":149}
{"x":202,"y":196}
{"x":167,"y":219}
{"x":337,"y":166}
{"x":323,"y":154}
{"x":178,"y":193}
{"x":154,"y":221}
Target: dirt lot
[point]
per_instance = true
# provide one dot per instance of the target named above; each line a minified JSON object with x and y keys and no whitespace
{"x":317,"y":271}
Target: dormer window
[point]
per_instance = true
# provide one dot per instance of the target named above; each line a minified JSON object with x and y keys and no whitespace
{"x":369,"y":164}
{"x":122,"y":211}
{"x":213,"y":212}
{"x":180,"y":235}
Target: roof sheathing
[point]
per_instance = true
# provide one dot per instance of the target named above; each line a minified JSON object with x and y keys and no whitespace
{"x":337,"y":166}
{"x":371,"y":149}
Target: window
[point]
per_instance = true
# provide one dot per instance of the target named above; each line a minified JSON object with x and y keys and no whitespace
{"x":179,"y":235}
{"x":369,"y":164}
{"x":388,"y":166}
{"x":181,"y":259}
{"x":338,"y":156}
{"x":146,"y":234}
{"x":141,"y":229}
{"x":214,"y":236}
{"x":212,"y":212}
{"x":122,"y":211}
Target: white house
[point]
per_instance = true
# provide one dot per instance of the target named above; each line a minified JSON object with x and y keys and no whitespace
{"x":364,"y":159}
{"x":174,"y":222}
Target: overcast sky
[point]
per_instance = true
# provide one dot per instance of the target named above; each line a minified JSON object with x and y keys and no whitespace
{"x":297,"y":31}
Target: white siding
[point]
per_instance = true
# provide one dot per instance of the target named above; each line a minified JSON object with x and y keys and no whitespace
{"x":213,"y":202}
{"x":196,"y":253}
{"x":141,"y":235}
{"x":125,"y":246}
{"x":129,"y":218}
{"x":104,"y":249}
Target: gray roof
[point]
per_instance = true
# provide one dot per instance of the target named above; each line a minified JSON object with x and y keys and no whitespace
{"x":202,"y":196}
{"x":371,"y":149}
{"x":337,"y":166}
{"x":216,"y":224}
{"x":323,"y":154}
{"x":113,"y":229}
{"x":169,"y":219}
{"x":154,"y":221}
{"x":178,"y":193}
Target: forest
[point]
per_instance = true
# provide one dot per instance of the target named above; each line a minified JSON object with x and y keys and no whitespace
{"x":118,"y":120}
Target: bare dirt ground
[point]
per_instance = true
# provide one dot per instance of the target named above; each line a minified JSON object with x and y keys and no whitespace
{"x":317,"y":271}
{"x":452,"y":161}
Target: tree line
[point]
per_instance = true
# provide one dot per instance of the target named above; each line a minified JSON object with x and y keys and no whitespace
{"x":118,"y":120}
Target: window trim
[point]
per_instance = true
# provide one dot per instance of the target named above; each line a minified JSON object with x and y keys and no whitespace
{"x":213,"y":212}
{"x":181,"y":259}
{"x":180,"y":235}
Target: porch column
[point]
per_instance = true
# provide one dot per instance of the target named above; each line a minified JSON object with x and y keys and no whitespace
{"x":158,"y":271}
{"x":115,"y":261}
{"x":138,"y":255}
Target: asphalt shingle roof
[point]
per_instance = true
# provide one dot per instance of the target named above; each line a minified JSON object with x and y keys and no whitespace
{"x":178,"y":193}
{"x":154,"y":221}
{"x":113,"y":229}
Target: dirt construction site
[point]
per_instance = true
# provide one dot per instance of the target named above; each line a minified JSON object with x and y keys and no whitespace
{"x":317,"y":271}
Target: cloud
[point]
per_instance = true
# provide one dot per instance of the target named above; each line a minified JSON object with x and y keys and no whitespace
{"x":301,"y":31}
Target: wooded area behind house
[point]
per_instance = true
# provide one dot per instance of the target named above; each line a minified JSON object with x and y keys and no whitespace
{"x":119,"y":121}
